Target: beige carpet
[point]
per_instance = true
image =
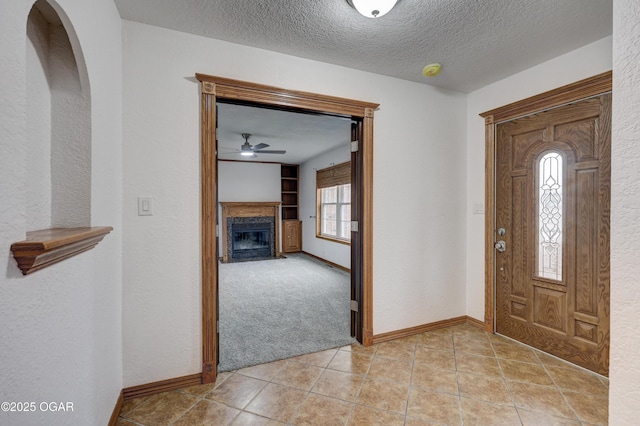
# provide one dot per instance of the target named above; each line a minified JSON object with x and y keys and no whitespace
{"x":275,"y":309}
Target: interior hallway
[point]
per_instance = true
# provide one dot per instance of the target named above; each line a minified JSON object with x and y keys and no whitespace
{"x":457,"y":375}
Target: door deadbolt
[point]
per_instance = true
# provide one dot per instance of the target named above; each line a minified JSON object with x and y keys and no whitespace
{"x":501,"y":246}
{"x":502,"y":231}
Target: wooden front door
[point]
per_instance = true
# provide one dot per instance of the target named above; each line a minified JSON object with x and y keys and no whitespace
{"x":552,"y":231}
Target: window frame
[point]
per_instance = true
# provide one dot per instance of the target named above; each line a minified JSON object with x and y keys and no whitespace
{"x":332,"y":177}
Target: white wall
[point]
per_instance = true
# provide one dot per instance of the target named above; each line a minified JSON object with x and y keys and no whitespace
{"x":325,"y":249}
{"x":418,"y":199}
{"x":585,"y":62}
{"x":624,"y":397}
{"x":61,"y":326}
{"x":248,"y":181}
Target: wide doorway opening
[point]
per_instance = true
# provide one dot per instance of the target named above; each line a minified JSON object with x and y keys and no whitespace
{"x":284,"y":290}
{"x":359,"y":114}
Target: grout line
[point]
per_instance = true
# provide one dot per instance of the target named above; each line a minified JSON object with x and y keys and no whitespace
{"x":364,"y":380}
{"x":295,"y":412}
{"x":188,"y":409}
{"x":413,"y":363}
{"x":455,"y":363}
{"x":564,"y":398}
{"x":255,"y":396}
{"x":146,"y":401}
{"x":506,"y":382}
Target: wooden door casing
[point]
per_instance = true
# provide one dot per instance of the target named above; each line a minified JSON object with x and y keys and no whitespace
{"x":357,"y":245}
{"x":568,"y":317}
{"x":216,"y":88}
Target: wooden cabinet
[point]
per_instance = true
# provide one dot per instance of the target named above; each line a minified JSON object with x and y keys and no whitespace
{"x":291,"y":236}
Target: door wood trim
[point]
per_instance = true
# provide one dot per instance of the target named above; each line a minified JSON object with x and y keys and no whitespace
{"x":246,"y":91}
{"x":213,"y":87}
{"x":367,"y":226}
{"x":593,"y":86}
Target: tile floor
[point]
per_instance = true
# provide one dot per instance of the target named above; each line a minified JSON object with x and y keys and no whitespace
{"x":455,"y":376}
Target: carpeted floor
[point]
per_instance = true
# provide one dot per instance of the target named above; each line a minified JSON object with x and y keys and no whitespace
{"x":275,"y":309}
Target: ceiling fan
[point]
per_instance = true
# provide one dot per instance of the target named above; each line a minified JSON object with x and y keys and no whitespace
{"x":248,"y":150}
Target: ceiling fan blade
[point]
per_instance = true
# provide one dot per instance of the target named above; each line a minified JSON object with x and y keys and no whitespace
{"x":259,"y":146}
{"x":271,"y":151}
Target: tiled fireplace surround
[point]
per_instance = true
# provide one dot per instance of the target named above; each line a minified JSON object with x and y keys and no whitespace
{"x":242,"y":212}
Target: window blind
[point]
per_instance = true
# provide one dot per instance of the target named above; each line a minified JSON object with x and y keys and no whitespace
{"x":340,"y":174}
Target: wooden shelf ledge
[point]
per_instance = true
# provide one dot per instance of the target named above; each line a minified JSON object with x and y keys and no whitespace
{"x":46,"y":247}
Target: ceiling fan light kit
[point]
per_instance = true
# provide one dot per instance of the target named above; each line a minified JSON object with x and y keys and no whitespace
{"x":372,"y":8}
{"x":247,"y":150}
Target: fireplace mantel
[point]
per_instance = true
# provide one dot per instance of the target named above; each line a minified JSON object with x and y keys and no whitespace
{"x":249,"y":209}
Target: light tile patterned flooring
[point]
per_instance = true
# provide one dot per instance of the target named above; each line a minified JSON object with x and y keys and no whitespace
{"x":455,"y":376}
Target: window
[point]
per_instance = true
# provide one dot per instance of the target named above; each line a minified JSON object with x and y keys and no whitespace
{"x":550,"y":200}
{"x":335,"y":212}
{"x":334,"y":203}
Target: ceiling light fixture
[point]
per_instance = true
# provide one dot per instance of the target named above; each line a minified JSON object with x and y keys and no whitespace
{"x":246,"y":150}
{"x":372,"y":8}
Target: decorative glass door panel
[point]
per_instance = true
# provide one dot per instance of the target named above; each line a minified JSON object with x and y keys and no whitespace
{"x":550,"y":216}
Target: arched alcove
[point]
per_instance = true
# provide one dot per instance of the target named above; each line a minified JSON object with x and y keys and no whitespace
{"x":59,"y":122}
{"x":58,"y":134}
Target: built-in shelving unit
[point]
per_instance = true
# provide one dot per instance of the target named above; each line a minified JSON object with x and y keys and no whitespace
{"x":289,"y":176}
{"x":291,"y":225}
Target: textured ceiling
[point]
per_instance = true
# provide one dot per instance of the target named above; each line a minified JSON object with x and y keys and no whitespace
{"x":478,"y":42}
{"x":303,"y":136}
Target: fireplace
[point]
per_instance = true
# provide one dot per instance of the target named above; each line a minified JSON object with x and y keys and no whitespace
{"x":250,"y":231}
{"x":252,"y":238}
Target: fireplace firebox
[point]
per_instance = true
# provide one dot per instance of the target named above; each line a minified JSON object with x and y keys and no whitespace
{"x":252,"y":238}
{"x":250,"y":241}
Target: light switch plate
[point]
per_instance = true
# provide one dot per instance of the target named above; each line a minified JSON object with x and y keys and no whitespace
{"x":145,"y":206}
